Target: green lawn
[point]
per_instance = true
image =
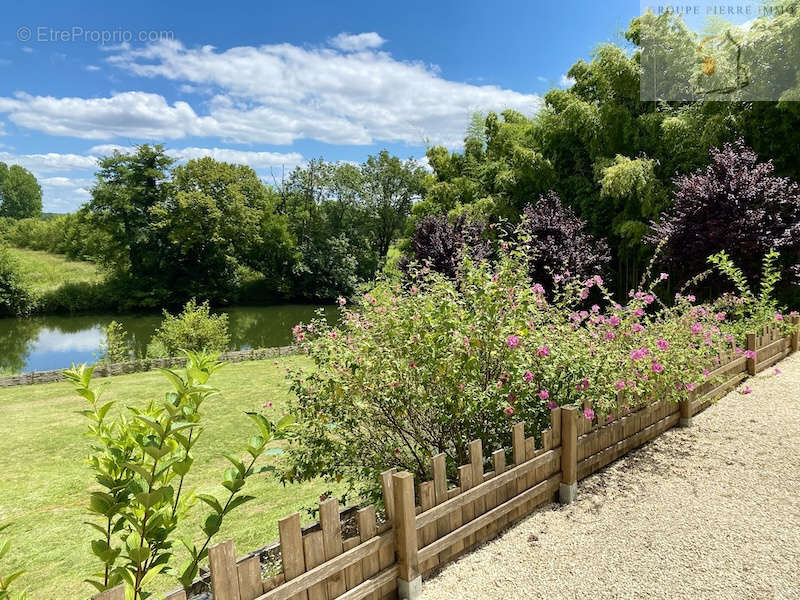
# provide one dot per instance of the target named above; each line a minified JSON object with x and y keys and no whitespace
{"x":44,"y":483}
{"x":47,"y":272}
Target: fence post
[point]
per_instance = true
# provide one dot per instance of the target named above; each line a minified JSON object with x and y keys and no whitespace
{"x":795,"y":341}
{"x":751,"y":346}
{"x":569,"y":455}
{"x":686,"y":409}
{"x":409,"y":582}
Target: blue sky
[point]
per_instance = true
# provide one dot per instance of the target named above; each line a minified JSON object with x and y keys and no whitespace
{"x":272,"y":84}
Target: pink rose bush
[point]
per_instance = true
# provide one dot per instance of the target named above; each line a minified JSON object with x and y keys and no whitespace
{"x":419,"y":368}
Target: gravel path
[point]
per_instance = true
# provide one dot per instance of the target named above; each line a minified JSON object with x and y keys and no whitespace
{"x":707,"y":512}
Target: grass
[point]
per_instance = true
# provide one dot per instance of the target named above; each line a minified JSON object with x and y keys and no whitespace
{"x":44,"y":483}
{"x":47,"y":272}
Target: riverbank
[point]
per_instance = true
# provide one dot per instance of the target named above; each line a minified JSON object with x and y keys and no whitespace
{"x":145,"y":364}
{"x":45,"y":483}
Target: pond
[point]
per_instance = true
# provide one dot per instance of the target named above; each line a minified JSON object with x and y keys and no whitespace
{"x":55,"y":342}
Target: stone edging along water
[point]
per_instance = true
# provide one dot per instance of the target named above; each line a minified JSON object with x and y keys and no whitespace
{"x":146,"y":364}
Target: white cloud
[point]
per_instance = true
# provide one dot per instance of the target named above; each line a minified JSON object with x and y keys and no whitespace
{"x":357,"y":42}
{"x":274,"y":94}
{"x":128,"y":114}
{"x":565,"y":81}
{"x":51,"y":162}
{"x":256,"y":160}
{"x":92,"y":68}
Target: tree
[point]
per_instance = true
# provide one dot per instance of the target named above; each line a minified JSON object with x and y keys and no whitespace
{"x":20,"y":193}
{"x":128,"y":187}
{"x":736,"y":204}
{"x":439,"y":244}
{"x":559,"y":244}
{"x":390,"y":186}
{"x":214,"y":220}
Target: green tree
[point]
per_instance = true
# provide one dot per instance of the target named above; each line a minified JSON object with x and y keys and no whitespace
{"x":20,"y":193}
{"x":129,"y":186}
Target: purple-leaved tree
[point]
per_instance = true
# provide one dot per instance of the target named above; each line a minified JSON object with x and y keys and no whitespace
{"x":735,"y":204}
{"x":439,"y":244}
{"x":560,"y":243}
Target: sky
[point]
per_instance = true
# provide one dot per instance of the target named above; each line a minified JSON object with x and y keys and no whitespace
{"x":273,"y":84}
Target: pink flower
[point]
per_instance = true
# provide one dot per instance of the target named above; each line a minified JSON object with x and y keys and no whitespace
{"x":341,"y":301}
{"x":413,"y":289}
{"x":610,"y":418}
{"x":589,"y":282}
{"x":538,"y":289}
{"x":513,"y":341}
{"x":638,"y":312}
{"x":267,"y":404}
{"x":613,"y":320}
{"x":301,"y":337}
{"x":663,"y":276}
{"x":620,"y":385}
{"x":662,"y":344}
{"x":777,"y":371}
{"x":584,"y":293}
{"x":583,"y":384}
{"x":697,"y":328}
{"x":551,"y":405}
{"x":509,"y":410}
{"x":657,"y":367}
{"x":745,"y":390}
{"x":637,"y":328}
{"x":706,"y":372}
{"x":691,"y":298}
{"x":649,"y":298}
{"x":334,"y":335}
{"x":297,"y":329}
{"x":500,"y":383}
{"x":636,"y":354}
{"x":412,"y":364}
{"x":598,"y":280}
{"x":595,"y":308}
{"x":610,"y":335}
{"x":544,"y":394}
{"x":690,"y":387}
{"x":750,"y":354}
{"x":588,"y":413}
{"x":543,"y":351}
{"x":527,"y":376}
{"x":778,"y":316}
{"x":720,"y":316}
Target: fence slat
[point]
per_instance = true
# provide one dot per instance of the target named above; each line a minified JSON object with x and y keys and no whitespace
{"x":569,"y":454}
{"x":292,"y":553}
{"x":249,"y":574}
{"x":314,"y":552}
{"x":117,"y":593}
{"x":366,"y":531}
{"x":332,"y":541}
{"x":518,"y":451}
{"x":354,"y":574}
{"x":468,"y":510}
{"x":751,"y":346}
{"x":386,"y":554}
{"x":427,"y":500}
{"x":224,"y":575}
{"x":475,"y":450}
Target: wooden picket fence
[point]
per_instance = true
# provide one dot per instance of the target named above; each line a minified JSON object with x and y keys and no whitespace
{"x":427,"y":529}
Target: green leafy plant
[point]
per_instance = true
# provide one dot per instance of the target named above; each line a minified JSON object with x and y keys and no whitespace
{"x":194,"y":329}
{"x":141,"y":458}
{"x":7,"y":580}
{"x":16,"y":297}
{"x":747,"y":310}
{"x":117,"y":346}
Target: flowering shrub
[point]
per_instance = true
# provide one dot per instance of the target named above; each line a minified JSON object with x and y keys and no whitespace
{"x":417,"y":369}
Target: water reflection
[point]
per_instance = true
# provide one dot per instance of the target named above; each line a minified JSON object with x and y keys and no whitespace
{"x":55,"y":342}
